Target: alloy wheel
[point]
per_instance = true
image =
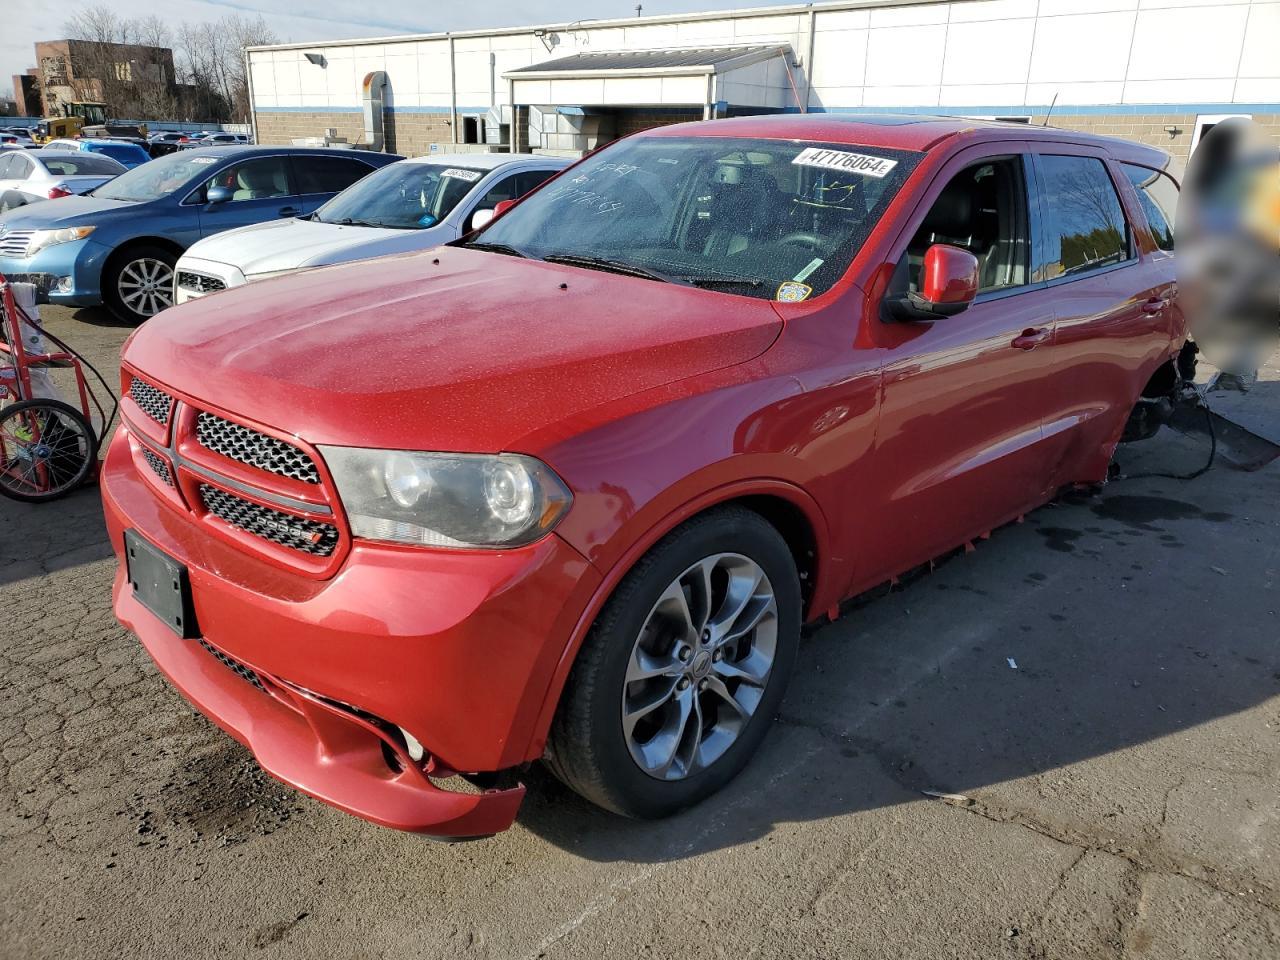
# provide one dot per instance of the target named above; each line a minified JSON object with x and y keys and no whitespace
{"x":699,"y":667}
{"x":146,"y":286}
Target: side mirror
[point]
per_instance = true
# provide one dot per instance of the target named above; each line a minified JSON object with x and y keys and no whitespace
{"x":218,"y":194}
{"x":482,"y":218}
{"x":502,"y":207}
{"x":948,"y":285}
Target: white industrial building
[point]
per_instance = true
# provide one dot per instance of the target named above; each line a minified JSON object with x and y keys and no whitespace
{"x":1158,"y":71}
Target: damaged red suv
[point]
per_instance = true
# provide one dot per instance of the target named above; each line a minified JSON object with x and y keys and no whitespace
{"x":567,"y":490}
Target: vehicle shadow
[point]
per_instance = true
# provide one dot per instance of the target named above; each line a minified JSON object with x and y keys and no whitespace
{"x":101,"y":317}
{"x":37,"y":539}
{"x":1094,"y":627}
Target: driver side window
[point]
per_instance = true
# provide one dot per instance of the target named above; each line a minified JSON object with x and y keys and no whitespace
{"x":258,"y":179}
{"x":983,"y":210}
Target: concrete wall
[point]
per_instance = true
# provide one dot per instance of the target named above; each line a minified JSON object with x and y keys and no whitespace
{"x":1123,"y":66}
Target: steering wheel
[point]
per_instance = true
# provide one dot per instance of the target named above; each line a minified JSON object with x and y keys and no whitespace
{"x":802,"y":239}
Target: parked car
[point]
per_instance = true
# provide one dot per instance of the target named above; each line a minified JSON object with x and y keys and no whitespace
{"x":410,"y":205}
{"x":164,"y":143}
{"x":215,"y":140}
{"x":28,"y":176}
{"x":17,"y":136}
{"x":569,"y":487}
{"x":118,"y":244}
{"x":129,"y":154}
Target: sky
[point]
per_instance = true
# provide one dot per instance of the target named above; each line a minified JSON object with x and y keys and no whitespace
{"x":26,"y":21}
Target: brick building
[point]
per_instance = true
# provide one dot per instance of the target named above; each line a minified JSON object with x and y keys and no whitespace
{"x":124,"y":75}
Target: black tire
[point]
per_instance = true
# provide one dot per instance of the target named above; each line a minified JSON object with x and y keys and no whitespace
{"x":587,"y":748}
{"x":126,"y":262}
{"x":62,"y":425}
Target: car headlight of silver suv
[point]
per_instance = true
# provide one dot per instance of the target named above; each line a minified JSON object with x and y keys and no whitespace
{"x":447,"y":499}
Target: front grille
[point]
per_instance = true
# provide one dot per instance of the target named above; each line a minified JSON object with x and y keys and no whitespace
{"x":256,"y":449}
{"x":235,"y":666}
{"x":297,"y":533}
{"x":13,"y":243}
{"x":199,"y":282}
{"x":155,"y":403}
{"x":159,"y":466}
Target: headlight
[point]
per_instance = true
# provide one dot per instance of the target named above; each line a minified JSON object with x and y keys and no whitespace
{"x":47,"y":238}
{"x":447,"y":499}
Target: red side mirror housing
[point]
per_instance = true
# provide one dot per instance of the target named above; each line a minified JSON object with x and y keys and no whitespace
{"x":502,"y":207}
{"x":948,"y":279}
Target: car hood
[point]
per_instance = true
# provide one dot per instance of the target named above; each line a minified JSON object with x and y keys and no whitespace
{"x":453,"y":349}
{"x":66,"y":212}
{"x":293,"y":243}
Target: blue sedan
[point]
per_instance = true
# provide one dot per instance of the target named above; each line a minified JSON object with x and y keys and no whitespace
{"x":117,"y":245}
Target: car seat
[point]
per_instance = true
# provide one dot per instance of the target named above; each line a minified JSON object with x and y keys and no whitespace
{"x":254,"y":182}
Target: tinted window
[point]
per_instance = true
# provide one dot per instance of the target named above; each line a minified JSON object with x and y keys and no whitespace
{"x":1084,"y":223}
{"x":1158,"y":195}
{"x":763,"y":218}
{"x":259,"y":179}
{"x":84,"y":164}
{"x":327,"y":174}
{"x":125,"y":152}
{"x":508,"y":188}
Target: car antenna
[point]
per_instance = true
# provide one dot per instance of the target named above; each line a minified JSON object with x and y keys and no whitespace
{"x":1048,"y":113}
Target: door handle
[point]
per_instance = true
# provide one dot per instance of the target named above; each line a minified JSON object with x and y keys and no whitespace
{"x":288,"y":211}
{"x":1155,"y":305}
{"x":1032,"y":338}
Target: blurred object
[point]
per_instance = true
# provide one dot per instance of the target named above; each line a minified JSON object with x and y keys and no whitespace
{"x":1228,"y":243}
{"x":25,"y":296}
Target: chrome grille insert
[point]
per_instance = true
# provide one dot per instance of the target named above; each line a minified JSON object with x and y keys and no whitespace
{"x":235,"y":666}
{"x":297,"y":533}
{"x":256,"y":449}
{"x":155,"y":403}
{"x":159,"y":466}
{"x":13,"y":243}
{"x":199,"y":282}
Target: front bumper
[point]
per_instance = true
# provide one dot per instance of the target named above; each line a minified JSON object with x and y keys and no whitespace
{"x":66,"y":273}
{"x":458,"y":648}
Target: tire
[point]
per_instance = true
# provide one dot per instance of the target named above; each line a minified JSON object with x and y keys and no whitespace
{"x":71,"y":454}
{"x":619,"y":766}
{"x":138,"y":282}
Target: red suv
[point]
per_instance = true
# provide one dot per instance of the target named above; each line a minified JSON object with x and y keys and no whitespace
{"x":568,"y":489}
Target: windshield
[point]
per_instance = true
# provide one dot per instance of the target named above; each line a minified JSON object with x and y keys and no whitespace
{"x":156,"y":179}
{"x":81,"y":164}
{"x":772,"y":219}
{"x":406,"y":196}
{"x":120,"y":151}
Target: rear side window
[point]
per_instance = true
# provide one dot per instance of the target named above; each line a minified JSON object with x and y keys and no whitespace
{"x":327,"y":174}
{"x":1085,"y":227}
{"x":1158,"y":195}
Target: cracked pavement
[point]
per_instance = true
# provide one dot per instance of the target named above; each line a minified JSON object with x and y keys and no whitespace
{"x":1115,"y":795}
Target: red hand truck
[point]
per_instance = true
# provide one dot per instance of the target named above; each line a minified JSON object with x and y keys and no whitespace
{"x":47,"y":447}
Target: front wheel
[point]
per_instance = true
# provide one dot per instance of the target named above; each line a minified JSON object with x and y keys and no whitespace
{"x":47,"y":449}
{"x":679,"y":679}
{"x":138,"y":283}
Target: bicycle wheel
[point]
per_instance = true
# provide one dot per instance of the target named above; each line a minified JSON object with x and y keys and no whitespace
{"x":47,"y":449}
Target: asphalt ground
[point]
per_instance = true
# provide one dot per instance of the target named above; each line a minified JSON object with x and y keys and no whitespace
{"x":1096,"y":691}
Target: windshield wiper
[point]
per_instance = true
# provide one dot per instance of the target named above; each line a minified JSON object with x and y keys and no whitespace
{"x":610,"y":266}
{"x":503,"y":248}
{"x":349,"y":222}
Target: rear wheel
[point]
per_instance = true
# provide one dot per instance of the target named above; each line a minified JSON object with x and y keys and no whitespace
{"x":47,"y":449}
{"x":138,"y":283}
{"x":682,"y":673}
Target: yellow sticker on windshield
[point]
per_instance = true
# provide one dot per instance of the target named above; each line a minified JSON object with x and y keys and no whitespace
{"x":792,"y":292}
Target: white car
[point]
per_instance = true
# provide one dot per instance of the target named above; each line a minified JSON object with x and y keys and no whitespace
{"x":30,"y":175}
{"x":410,"y":205}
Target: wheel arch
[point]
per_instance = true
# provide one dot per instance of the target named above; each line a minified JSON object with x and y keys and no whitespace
{"x":785,"y":506}
{"x":133,"y":243}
